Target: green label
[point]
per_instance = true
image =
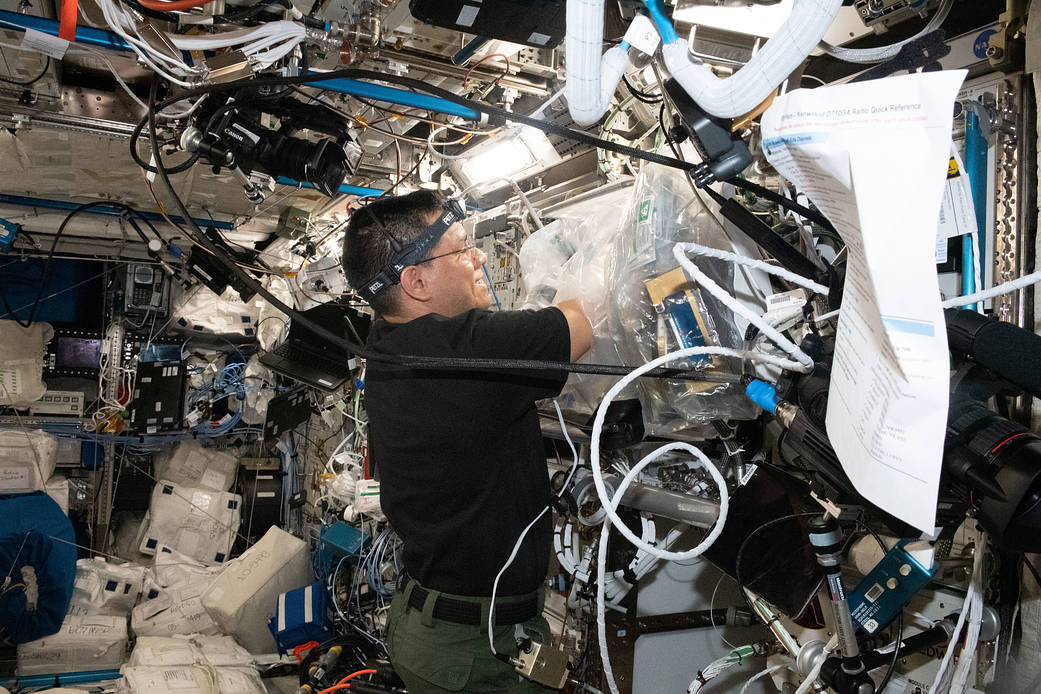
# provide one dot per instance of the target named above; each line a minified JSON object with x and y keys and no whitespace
{"x":645,"y":210}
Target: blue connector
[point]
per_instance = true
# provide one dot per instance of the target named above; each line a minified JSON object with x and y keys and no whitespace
{"x":763,"y":394}
{"x":174,"y":249}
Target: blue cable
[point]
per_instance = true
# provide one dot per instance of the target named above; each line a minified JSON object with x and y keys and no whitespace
{"x":492,"y":287}
{"x":661,"y":22}
{"x":976,"y":169}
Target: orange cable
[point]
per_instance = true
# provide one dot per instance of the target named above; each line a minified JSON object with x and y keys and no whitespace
{"x":342,"y":684}
{"x":162,"y":6}
{"x":506,"y":70}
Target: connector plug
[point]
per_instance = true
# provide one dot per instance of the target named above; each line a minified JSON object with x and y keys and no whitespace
{"x":763,"y":394}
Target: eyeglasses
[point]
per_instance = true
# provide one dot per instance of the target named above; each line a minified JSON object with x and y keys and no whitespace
{"x":468,"y":248}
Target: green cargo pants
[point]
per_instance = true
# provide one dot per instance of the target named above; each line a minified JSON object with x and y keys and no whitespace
{"x":433,"y":655}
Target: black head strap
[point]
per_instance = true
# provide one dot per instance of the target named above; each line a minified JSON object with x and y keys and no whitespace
{"x":409,"y":254}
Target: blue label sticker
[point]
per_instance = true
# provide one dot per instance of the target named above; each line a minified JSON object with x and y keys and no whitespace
{"x":982,"y":43}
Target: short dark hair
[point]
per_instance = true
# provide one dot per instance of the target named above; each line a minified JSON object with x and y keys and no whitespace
{"x":367,"y":248}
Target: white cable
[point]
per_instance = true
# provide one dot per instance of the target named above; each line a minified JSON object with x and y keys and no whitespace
{"x":118,"y":21}
{"x":758,"y":676}
{"x":711,"y":671}
{"x":495,"y":585}
{"x":698,"y":249}
{"x":610,"y":504}
{"x":966,"y":659}
{"x":238,"y":37}
{"x":773,"y":623}
{"x":439,"y":155}
{"x":882,"y":53}
{"x":976,"y":272}
{"x":999,"y":290}
{"x":516,"y":546}
{"x":537,"y":113}
{"x":805,"y":361}
{"x":516,"y":189}
{"x":814,"y":673}
{"x":941,"y":673}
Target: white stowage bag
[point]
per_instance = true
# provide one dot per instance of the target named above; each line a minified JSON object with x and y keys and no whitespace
{"x":173,"y":664}
{"x":27,"y":459}
{"x":199,"y":523}
{"x":178,"y":679}
{"x":257,"y":399}
{"x":190,"y":679}
{"x":162,"y":651}
{"x":176,"y":610}
{"x":102,"y":588}
{"x":191,"y":465}
{"x":172,"y":569}
{"x":57,"y":488}
{"x":21,"y":362}
{"x":82,"y":643}
{"x":242,"y":598}
{"x":239,"y":680}
{"x":173,"y":599}
{"x":193,"y":649}
{"x":201,"y":311}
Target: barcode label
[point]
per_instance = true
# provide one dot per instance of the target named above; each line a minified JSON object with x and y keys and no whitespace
{"x":179,"y":678}
{"x":873,"y":594}
{"x":795,"y":298}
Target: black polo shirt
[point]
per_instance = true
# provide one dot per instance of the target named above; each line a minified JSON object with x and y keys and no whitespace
{"x":459,"y":453}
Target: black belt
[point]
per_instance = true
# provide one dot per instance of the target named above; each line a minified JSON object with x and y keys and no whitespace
{"x":465,"y":612}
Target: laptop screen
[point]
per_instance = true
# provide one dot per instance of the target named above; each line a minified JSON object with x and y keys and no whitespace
{"x":332,"y":316}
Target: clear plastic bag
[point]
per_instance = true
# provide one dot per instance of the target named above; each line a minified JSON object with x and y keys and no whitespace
{"x":656,"y":308}
{"x":568,"y":259}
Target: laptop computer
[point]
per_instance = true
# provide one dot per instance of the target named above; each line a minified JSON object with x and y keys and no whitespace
{"x":309,"y":359}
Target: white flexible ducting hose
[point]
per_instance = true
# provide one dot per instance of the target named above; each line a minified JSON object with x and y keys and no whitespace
{"x":591,"y":78}
{"x":753,"y":83}
{"x":882,"y":53}
{"x":805,"y":362}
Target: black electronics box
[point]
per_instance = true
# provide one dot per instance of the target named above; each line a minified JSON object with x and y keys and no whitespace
{"x":777,"y":561}
{"x":285,"y":412}
{"x":158,"y":397}
{"x":261,"y":490}
{"x":537,"y":23}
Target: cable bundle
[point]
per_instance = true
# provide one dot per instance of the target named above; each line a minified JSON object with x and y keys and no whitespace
{"x":262,"y":45}
{"x":731,"y":660}
{"x":382,"y":555}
